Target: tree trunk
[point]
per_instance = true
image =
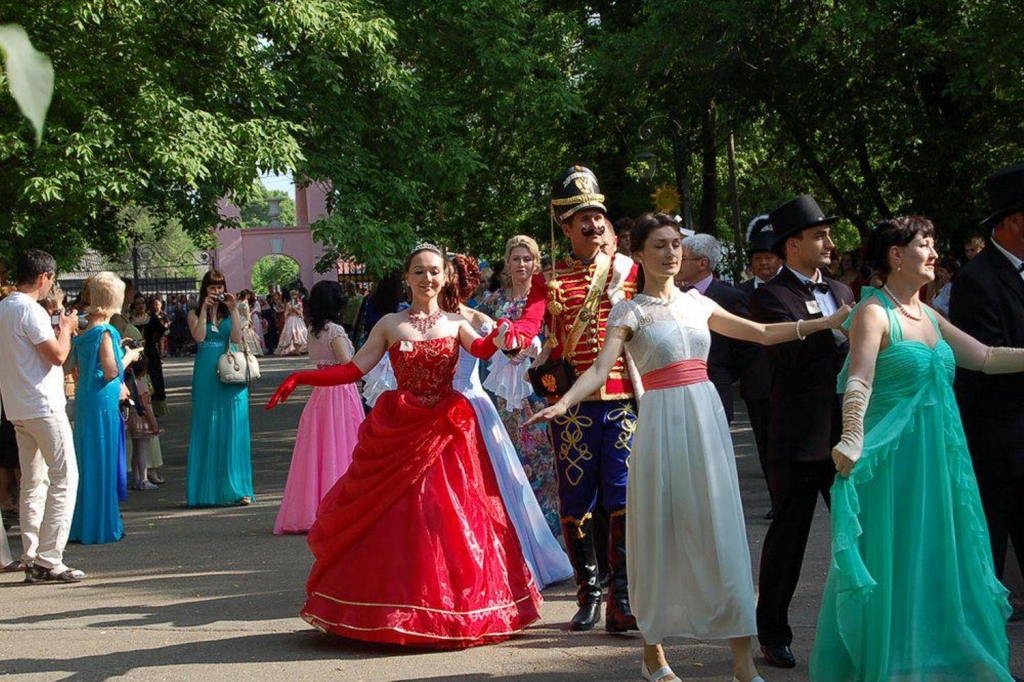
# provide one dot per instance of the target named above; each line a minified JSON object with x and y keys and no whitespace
{"x":709,"y":175}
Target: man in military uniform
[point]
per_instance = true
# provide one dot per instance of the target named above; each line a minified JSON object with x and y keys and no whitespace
{"x":592,"y":441}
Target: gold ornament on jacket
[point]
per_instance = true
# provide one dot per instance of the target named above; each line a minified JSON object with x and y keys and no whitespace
{"x":556,"y":304}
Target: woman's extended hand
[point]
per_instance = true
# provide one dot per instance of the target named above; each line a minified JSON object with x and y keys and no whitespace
{"x":836,"y":319}
{"x":547,"y":414}
{"x":131,"y":355}
{"x":282,"y":392}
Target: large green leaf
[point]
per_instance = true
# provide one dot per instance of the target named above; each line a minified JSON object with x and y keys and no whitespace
{"x":30,"y":75}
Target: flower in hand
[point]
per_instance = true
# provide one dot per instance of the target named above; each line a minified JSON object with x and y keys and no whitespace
{"x":282,"y":392}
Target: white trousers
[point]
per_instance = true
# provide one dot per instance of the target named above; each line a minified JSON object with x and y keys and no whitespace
{"x":49,"y":487}
{"x":5,"y":549}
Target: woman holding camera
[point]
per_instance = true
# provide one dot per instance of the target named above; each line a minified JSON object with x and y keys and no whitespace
{"x":219,"y":457}
{"x":100,"y":359}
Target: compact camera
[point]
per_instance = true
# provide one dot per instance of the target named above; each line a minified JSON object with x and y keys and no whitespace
{"x":68,"y":312}
{"x":222,"y":298}
{"x":132,"y":343}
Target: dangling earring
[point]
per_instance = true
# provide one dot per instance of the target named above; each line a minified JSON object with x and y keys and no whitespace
{"x":899,"y":267}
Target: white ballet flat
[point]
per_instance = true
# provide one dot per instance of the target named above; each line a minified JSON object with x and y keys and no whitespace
{"x":664,"y":673}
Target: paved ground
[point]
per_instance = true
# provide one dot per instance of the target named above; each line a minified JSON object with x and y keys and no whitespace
{"x":213,"y":594}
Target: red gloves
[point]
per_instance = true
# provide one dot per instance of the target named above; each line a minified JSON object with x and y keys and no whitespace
{"x":329,"y":376}
{"x":487,"y":346}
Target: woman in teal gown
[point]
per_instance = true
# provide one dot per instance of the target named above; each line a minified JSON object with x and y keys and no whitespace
{"x":219,"y":449}
{"x":911,"y":593}
{"x":99,"y":428}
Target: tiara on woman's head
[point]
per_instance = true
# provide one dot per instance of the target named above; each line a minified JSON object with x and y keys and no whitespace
{"x":427,"y":246}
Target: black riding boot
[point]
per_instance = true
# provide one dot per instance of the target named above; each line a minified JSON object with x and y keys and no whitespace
{"x":618,"y":616}
{"x":579,"y":541}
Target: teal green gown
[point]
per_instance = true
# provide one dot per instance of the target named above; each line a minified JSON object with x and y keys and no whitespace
{"x":99,"y":441}
{"x":911,"y":594}
{"x":219,"y":454}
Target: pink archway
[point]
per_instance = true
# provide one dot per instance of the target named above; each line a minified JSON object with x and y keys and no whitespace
{"x":239,"y":249}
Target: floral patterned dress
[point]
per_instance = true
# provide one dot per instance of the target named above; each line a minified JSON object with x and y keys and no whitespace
{"x":532,"y":443}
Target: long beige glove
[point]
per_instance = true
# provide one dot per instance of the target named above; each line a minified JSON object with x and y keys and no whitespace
{"x":855,"y":405}
{"x":1003,"y":361}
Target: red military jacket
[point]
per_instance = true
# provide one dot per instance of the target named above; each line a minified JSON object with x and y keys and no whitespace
{"x":557,"y":307}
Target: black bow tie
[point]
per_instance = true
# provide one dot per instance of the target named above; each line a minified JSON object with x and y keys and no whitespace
{"x":819,"y":286}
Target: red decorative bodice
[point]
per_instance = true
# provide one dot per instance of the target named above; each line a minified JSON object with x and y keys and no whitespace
{"x":425,"y":369}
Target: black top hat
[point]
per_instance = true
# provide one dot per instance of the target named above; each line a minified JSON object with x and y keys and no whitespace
{"x":1005,"y":193}
{"x":575,"y":190}
{"x":760,"y":235}
{"x":798,"y":215}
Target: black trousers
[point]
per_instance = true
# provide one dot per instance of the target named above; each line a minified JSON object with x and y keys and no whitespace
{"x":757,"y":410}
{"x":795,"y":487}
{"x":1003,"y":501}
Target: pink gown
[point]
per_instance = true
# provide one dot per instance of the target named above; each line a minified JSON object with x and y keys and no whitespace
{"x":327,"y":435}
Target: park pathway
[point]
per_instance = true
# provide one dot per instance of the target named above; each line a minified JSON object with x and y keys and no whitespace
{"x":212,"y":594}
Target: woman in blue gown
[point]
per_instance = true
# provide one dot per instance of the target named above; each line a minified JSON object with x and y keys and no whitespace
{"x":99,"y":428}
{"x":911,"y":593}
{"x":219,"y":449}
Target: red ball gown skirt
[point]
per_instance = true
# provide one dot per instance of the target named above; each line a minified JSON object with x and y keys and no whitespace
{"x":413,"y":546}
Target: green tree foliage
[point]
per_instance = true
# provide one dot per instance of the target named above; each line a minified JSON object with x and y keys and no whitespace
{"x":274,"y":271}
{"x":459,"y":145}
{"x":877,"y":108}
{"x":161,"y":104}
{"x":448,"y":121}
{"x":256,"y":213}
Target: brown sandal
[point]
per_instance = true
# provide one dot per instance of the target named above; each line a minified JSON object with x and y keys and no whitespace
{"x":13,"y":567}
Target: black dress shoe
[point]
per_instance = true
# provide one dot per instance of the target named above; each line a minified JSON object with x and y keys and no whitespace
{"x":587,"y":616}
{"x":778,"y":656}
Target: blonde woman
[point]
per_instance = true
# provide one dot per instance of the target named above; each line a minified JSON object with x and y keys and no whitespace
{"x":97,"y":355}
{"x":516,"y":401}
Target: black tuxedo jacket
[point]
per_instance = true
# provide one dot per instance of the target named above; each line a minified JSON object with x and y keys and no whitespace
{"x":728,"y":358}
{"x":756,"y":380}
{"x":804,"y":419}
{"x":987,"y":302}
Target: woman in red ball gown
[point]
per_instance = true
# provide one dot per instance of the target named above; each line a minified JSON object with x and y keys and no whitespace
{"x":413,"y":545}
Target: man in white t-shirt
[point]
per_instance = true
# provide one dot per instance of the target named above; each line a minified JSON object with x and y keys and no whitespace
{"x":32,"y":386}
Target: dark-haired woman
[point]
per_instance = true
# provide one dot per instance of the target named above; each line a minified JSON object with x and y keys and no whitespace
{"x":219,"y":448}
{"x":330,"y":421}
{"x":413,"y":545}
{"x":686,"y":543}
{"x":911,"y":593}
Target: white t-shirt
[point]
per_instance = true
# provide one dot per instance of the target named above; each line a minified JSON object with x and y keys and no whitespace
{"x":32,"y":387}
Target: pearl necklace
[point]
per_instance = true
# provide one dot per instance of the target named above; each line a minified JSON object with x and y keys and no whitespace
{"x":900,"y":307}
{"x":422,"y":323}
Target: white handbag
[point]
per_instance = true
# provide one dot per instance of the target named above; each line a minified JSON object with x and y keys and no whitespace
{"x":238,"y":366}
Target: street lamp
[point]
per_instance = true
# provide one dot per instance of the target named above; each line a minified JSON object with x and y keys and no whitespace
{"x":648,"y":164}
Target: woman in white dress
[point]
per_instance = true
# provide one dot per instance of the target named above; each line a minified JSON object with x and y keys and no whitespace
{"x":686,"y":544}
{"x":294,"y":337}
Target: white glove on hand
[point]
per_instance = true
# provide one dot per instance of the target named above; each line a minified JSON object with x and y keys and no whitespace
{"x":855,"y":405}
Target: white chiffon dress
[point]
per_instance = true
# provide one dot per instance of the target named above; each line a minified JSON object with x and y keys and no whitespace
{"x":686,"y":543}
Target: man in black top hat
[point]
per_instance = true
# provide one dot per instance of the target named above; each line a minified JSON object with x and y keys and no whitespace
{"x":987,"y":302}
{"x":804,"y":420}
{"x":756,"y":380}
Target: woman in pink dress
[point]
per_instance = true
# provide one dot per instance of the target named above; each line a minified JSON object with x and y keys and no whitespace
{"x":414,"y":545}
{"x":330,"y":421}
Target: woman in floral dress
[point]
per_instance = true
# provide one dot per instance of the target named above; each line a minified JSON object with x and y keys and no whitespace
{"x":515,"y":399}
